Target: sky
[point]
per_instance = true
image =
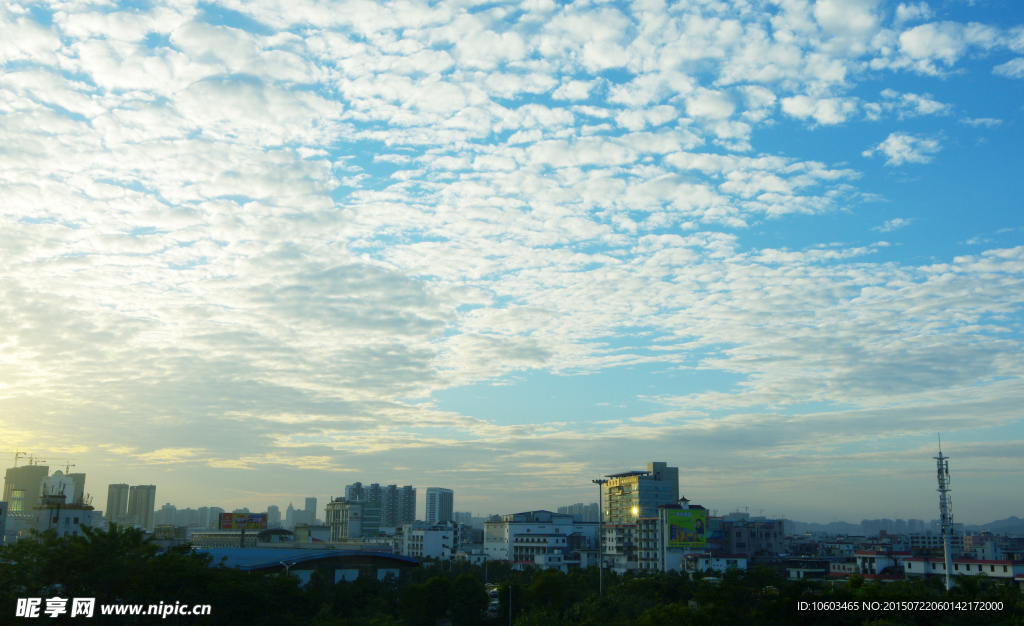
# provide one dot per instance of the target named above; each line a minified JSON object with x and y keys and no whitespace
{"x":254,"y":251}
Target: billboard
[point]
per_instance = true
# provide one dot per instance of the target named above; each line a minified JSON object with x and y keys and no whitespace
{"x":687,"y":529}
{"x":244,"y":521}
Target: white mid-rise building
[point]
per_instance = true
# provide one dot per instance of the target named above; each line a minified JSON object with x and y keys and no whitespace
{"x":531,"y":538}
{"x":421,"y":541}
{"x":934,"y":541}
{"x":54,"y":513}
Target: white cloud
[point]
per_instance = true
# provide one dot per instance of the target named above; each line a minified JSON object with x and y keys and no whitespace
{"x":987,"y":122}
{"x":574,"y":90}
{"x":825,"y":111}
{"x":711,"y":105}
{"x":913,"y":12}
{"x":893,"y":224}
{"x":912,"y":104}
{"x":1014,"y":68}
{"x":900,"y":148}
{"x":944,"y":42}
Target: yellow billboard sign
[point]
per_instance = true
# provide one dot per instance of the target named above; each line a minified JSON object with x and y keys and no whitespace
{"x":686,"y":529}
{"x":243,"y":521}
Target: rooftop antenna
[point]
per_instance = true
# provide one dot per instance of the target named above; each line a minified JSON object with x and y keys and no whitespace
{"x":945,"y":510}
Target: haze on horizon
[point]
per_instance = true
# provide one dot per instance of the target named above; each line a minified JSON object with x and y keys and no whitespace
{"x":254,"y":251}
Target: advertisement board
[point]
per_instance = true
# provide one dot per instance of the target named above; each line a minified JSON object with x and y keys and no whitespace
{"x":246,"y":521}
{"x":687,"y":529}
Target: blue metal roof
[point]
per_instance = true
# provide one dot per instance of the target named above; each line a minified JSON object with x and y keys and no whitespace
{"x":247,"y":559}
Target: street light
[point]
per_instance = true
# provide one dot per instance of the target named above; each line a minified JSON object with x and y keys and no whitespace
{"x":600,"y":535}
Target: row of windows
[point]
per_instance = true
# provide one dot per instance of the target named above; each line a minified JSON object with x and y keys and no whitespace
{"x":981,"y":568}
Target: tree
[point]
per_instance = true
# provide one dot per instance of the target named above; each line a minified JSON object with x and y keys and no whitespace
{"x":119,"y":566}
{"x":424,"y":604}
{"x":469,"y":600}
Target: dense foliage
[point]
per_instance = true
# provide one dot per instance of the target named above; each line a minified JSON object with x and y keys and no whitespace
{"x":118,"y":566}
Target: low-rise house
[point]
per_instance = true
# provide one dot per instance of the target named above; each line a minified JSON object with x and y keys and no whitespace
{"x":717,"y":563}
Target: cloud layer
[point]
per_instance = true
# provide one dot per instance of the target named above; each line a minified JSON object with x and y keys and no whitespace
{"x":264,"y":235}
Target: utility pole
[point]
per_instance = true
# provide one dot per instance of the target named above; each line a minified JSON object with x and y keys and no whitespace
{"x":600,"y":482}
{"x":945,"y":511}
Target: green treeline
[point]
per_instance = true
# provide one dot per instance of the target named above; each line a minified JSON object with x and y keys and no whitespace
{"x":119,"y":567}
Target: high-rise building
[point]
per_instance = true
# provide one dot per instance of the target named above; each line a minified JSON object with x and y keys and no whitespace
{"x":214,"y":517}
{"x":23,"y":486}
{"x":141,"y":500}
{"x":165,"y":515}
{"x":310,"y":510}
{"x":440,"y":502}
{"x":397,"y":504}
{"x":273,"y":516}
{"x":630,"y":496}
{"x":117,"y":502}
{"x":582,"y":512}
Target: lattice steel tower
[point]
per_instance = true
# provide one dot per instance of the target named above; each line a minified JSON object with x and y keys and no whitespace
{"x":945,"y":511}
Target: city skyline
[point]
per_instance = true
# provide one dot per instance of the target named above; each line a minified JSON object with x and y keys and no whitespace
{"x":250,"y":250}
{"x":976,"y":518}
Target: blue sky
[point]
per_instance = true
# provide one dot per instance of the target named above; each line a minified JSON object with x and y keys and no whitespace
{"x":253,"y":251}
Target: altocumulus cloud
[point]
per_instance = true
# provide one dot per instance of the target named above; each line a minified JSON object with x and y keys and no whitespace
{"x":262,"y":235}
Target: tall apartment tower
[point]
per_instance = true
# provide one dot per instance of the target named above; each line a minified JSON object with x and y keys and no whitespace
{"x":397,"y":504}
{"x":117,"y":502}
{"x":141,"y":500}
{"x":405,"y":506}
{"x":440,"y":504}
{"x":631,"y":495}
{"x":273,"y":516}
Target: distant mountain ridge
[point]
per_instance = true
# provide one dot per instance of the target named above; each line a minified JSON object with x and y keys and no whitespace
{"x":1012,"y":525}
{"x":836,"y":528}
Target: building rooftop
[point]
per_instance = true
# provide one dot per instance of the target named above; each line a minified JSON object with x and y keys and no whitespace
{"x":625,"y":474}
{"x":932,"y":559}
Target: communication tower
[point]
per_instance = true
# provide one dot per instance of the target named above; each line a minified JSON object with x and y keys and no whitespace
{"x":945,"y":511}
